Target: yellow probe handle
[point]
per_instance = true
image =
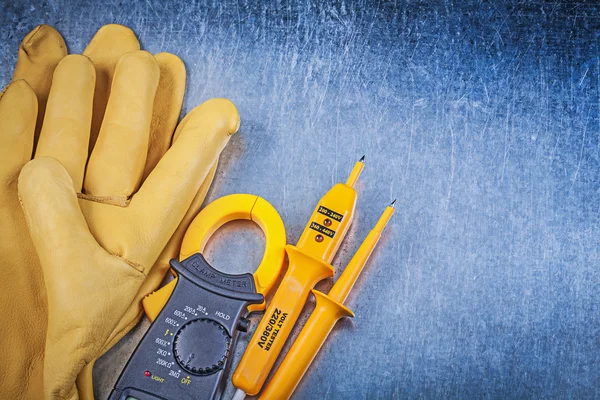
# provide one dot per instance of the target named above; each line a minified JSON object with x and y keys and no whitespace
{"x":328,"y":310}
{"x":308,"y":343}
{"x":303,"y":273}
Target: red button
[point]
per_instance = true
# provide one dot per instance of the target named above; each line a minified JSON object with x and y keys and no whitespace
{"x":147,"y":373}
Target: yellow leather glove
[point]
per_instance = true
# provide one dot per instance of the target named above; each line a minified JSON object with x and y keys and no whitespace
{"x":132,"y":233}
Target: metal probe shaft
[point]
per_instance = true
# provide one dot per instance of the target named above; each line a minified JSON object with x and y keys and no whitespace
{"x":358,"y":167}
{"x":328,"y":310}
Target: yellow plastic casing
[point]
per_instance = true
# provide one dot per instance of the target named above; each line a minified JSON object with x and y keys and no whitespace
{"x":208,"y":221}
{"x":308,"y":343}
{"x":309,"y":263}
{"x":328,"y":310}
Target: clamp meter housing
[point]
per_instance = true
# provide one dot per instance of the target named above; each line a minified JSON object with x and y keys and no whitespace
{"x":197,"y":316}
{"x":185,"y":352}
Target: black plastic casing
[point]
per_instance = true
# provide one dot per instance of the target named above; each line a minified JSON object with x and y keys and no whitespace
{"x":210,"y":304}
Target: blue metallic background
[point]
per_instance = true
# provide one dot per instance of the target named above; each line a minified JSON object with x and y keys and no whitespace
{"x":480,"y":117}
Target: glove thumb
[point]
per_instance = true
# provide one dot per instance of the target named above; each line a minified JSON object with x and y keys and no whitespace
{"x":88,"y":289}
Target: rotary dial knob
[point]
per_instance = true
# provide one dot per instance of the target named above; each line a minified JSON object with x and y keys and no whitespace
{"x":201,"y":346}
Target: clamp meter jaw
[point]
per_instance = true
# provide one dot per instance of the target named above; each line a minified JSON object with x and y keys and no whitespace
{"x":197,"y":316}
{"x":186,"y":350}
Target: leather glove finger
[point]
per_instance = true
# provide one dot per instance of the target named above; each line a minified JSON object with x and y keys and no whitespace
{"x":39,"y":53}
{"x":66,"y":129}
{"x":165,"y":113}
{"x":18,"y":109}
{"x":117,"y":162}
{"x":21,"y":292}
{"x":105,"y":49}
{"x":167,"y":107}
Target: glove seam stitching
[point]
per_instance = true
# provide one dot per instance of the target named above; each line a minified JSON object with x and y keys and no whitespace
{"x":112,"y":200}
{"x":138,"y":267}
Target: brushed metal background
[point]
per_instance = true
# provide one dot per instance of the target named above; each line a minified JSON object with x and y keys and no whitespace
{"x":480,"y":117}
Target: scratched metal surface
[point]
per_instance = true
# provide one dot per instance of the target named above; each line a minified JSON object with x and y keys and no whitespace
{"x":481,"y":118}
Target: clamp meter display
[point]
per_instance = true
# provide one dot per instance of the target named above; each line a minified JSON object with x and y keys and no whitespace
{"x":197,"y":316}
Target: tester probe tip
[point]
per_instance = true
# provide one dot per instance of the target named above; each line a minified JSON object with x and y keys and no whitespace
{"x":358,"y":167}
{"x":393,"y":204}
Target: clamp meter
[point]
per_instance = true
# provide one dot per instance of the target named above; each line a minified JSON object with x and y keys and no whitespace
{"x":197,"y":316}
